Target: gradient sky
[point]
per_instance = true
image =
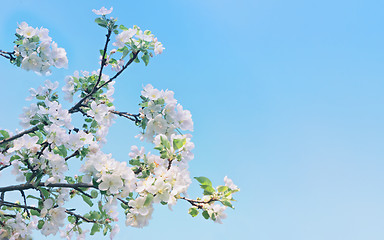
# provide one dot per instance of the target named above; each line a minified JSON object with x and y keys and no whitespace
{"x":286,"y":97}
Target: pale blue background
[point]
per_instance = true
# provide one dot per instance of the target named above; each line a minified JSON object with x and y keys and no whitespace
{"x":286,"y":96}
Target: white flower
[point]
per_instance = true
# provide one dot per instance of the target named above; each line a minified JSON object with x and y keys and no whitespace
{"x":229,"y":183}
{"x":135,"y":152}
{"x":115,"y":230}
{"x":59,"y":56}
{"x":158,"y":48}
{"x":27,"y":142}
{"x":32,"y":62}
{"x":102,"y":11}
{"x":124,"y":37}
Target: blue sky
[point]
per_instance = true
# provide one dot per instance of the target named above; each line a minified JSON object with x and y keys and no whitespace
{"x":286,"y":97}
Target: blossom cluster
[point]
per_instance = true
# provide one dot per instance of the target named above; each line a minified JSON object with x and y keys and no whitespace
{"x":161,"y":114}
{"x":35,"y":50}
{"x":135,"y":38}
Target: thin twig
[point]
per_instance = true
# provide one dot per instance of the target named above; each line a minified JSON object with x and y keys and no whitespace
{"x":31,"y":130}
{"x":42,"y":184}
{"x":130,"y":116}
{"x":95,"y":88}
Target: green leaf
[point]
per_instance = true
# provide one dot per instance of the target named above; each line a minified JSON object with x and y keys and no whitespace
{"x":63,"y":150}
{"x":116,"y":31}
{"x":87,"y":200}
{"x":71,"y":219}
{"x":45,"y":192}
{"x":205,"y":214}
{"x":208,"y":190}
{"x":35,"y":212}
{"x":101,"y":52}
{"x":41,"y":138}
{"x":34,"y":39}
{"x":204,"y":181}
{"x":112,"y":61}
{"x":122,"y":27}
{"x":193,"y":212}
{"x":227,"y":203}
{"x":94,"y":194}
{"x":34,"y":122}
{"x":222,"y":188}
{"x":101,"y":22}
{"x":95,"y":228}
{"x":40,"y":224}
{"x":33,"y":197}
{"x":134,"y":162}
{"x":179,"y":143}
{"x":148,"y":200}
{"x":95,"y":215}
{"x":4,"y":133}
{"x":165,"y":142}
{"x":125,"y":52}
{"x":145,"y":58}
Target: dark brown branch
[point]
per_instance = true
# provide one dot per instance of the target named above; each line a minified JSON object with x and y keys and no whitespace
{"x":25,"y":202}
{"x":76,"y":107}
{"x":130,"y":116}
{"x":72,"y":155}
{"x":9,"y":204}
{"x":198,"y":203}
{"x":84,"y":193}
{"x":125,"y":66}
{"x":95,"y":88}
{"x":123,"y":201}
{"x":103,"y":60}
{"x":31,"y":186}
{"x":8,"y":55}
{"x":78,"y":216}
{"x":31,"y":130}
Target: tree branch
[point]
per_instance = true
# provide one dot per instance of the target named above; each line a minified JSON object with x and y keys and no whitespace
{"x":78,"y":216}
{"x":95,"y":88}
{"x":9,"y":204}
{"x":125,"y":66}
{"x":42,"y":184}
{"x":130,"y":116}
{"x":8,"y":55}
{"x":198,"y":203}
{"x":31,"y":130}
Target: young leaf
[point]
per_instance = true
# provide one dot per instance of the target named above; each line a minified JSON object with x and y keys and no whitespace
{"x":193,"y":212}
{"x":204,"y":181}
{"x":205,"y":214}
{"x":87,"y":200}
{"x":148,"y":200}
{"x":178,"y":143}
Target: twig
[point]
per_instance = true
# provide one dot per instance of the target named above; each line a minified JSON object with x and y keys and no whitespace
{"x":130,"y":116}
{"x":9,"y":204}
{"x":72,"y":155}
{"x":95,"y":88}
{"x":42,"y":184}
{"x":31,"y":130}
{"x":25,"y":202}
{"x":125,"y":66}
{"x":78,"y":216}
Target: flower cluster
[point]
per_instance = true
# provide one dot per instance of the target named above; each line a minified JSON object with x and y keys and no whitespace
{"x":36,"y":51}
{"x":135,"y":38}
{"x":161,"y":114}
